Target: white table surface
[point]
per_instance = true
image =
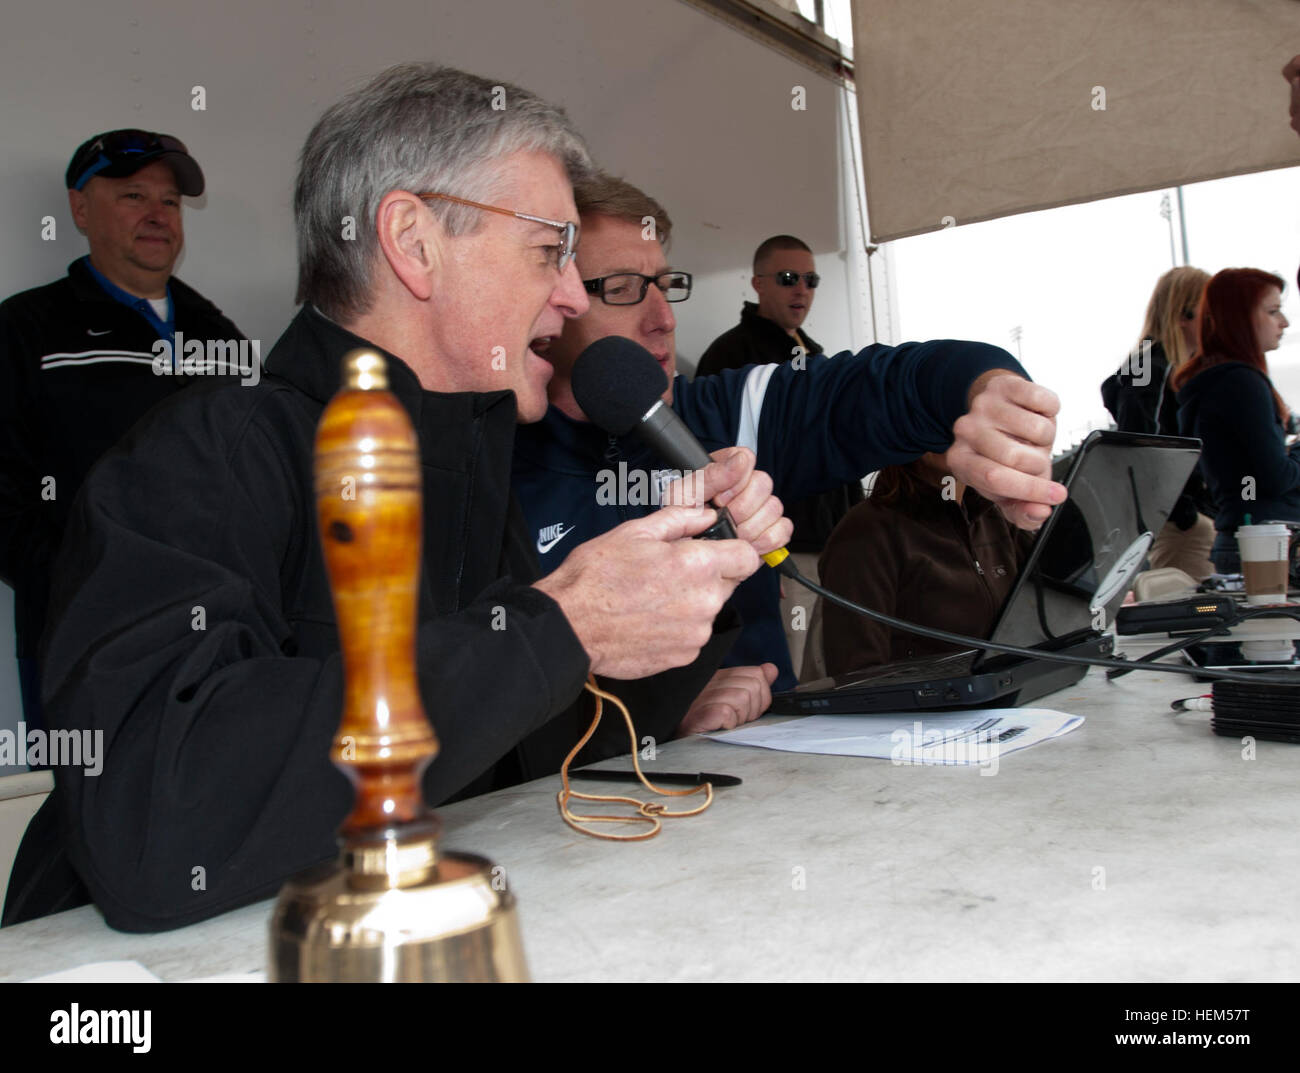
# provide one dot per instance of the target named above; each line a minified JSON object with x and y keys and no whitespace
{"x":1139,"y":847}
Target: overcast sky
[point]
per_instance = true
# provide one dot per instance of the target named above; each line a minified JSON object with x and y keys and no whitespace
{"x":1077,"y":280}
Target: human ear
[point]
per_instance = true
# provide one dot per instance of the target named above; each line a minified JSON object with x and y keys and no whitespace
{"x":410,"y":241}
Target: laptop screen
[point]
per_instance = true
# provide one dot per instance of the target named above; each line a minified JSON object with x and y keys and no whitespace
{"x":1122,"y":488}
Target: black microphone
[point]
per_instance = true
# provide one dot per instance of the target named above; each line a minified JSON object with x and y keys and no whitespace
{"x":619,"y":386}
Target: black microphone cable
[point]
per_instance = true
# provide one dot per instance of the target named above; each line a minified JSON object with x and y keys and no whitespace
{"x":787,"y":568}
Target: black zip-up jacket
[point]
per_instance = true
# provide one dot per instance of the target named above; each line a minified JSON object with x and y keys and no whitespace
{"x":754,"y":341}
{"x":1151,"y":406}
{"x":217,"y":738}
{"x":75,"y":374}
{"x":1244,"y":457}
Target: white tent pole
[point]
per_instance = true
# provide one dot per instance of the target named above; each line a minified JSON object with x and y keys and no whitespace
{"x":1182,"y":226}
{"x":1167,"y":213}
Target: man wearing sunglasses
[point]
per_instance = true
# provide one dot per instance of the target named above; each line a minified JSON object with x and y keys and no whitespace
{"x":218,"y":738}
{"x":770,"y":332}
{"x":76,"y":356}
{"x":812,"y":427}
{"x":785,"y":279}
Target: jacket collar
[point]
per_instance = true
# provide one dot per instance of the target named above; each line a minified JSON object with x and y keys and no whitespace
{"x":87,"y":287}
{"x":772,"y":333}
{"x":309,"y":355}
{"x":84,"y":286}
{"x":166,"y":329}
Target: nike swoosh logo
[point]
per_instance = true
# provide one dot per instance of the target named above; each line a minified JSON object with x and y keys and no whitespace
{"x":92,"y":332}
{"x":543,"y":548}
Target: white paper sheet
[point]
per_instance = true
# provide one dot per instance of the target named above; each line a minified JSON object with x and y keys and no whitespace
{"x":974,"y":737}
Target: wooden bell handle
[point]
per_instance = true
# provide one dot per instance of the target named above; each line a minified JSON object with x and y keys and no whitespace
{"x":368,"y":502}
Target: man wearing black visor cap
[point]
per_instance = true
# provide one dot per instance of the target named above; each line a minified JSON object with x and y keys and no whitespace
{"x":79,"y":358}
{"x":120,"y":153}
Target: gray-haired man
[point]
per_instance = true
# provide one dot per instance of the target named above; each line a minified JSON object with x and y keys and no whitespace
{"x":218,"y":736}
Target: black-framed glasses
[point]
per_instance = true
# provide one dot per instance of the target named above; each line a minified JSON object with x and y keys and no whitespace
{"x":568,"y":231}
{"x":789,"y":279}
{"x":630,"y":288}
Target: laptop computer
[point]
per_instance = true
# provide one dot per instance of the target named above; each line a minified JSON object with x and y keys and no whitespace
{"x":1122,"y":487}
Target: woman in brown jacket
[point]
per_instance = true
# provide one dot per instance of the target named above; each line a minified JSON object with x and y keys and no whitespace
{"x":923,"y":548}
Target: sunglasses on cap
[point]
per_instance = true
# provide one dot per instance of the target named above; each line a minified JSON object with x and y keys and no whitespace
{"x":789,"y":279}
{"x":119,"y":153}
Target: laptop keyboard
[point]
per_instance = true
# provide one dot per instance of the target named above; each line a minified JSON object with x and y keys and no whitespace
{"x":918,"y":670}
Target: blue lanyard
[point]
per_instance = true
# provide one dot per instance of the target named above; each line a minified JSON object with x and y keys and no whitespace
{"x":166,"y":329}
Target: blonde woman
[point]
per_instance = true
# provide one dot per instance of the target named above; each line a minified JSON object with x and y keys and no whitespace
{"x":1140,"y":396}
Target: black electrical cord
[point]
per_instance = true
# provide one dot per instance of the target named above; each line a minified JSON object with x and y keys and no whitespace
{"x":1205,"y":635}
{"x":1291,"y":678}
{"x":1176,"y":646}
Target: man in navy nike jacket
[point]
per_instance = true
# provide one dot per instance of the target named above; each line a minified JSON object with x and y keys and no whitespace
{"x":813,"y":425}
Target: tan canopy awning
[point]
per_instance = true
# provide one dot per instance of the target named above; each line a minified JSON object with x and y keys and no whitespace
{"x":971,"y":110}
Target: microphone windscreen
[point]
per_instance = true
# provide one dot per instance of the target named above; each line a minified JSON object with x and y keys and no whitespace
{"x":616,"y":382}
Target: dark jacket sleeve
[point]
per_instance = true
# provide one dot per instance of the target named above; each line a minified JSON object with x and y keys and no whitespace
{"x":829,"y":421}
{"x":28,"y":533}
{"x":169,"y":637}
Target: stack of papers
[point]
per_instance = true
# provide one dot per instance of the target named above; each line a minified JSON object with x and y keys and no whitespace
{"x":971,"y":737}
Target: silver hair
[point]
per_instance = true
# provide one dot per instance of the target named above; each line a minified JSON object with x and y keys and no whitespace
{"x":416,"y":127}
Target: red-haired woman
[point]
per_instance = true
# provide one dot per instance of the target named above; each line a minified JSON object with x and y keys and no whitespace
{"x":1225,"y":398}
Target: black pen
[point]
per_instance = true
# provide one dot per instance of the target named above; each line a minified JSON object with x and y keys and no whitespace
{"x":675,"y":778}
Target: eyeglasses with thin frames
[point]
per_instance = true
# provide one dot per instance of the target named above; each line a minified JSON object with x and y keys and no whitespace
{"x":568,"y":231}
